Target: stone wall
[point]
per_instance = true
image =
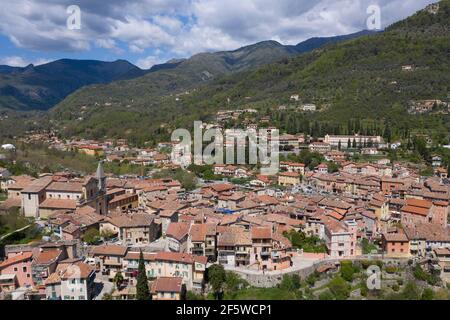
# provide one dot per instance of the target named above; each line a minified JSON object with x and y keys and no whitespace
{"x":271,"y":279}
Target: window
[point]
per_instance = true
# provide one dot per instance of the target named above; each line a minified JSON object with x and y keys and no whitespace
{"x":24,"y":269}
{"x":15,"y":269}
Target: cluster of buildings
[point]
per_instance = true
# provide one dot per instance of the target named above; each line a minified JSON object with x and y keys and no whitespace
{"x":242,"y":227}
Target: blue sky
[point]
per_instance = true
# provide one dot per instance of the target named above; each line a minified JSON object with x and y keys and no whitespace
{"x":147,"y":32}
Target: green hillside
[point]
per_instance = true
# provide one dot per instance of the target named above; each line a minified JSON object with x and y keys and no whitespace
{"x":358,"y":85}
{"x":41,"y":87}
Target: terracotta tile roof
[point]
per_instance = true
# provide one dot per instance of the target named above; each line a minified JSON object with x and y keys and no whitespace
{"x":11,"y":203}
{"x":428,"y":231}
{"x":38,"y":185}
{"x":47,"y":257}
{"x":398,"y":236}
{"x":77,"y":270}
{"x":419,"y":203}
{"x":166,"y":284}
{"x":221,"y":187}
{"x":54,"y":278}
{"x":16,"y":259}
{"x":178,"y":230}
{"x":178,"y":257}
{"x":109,"y":250}
{"x":58,"y":204}
{"x":415,"y":210}
{"x":261,"y":233}
{"x":198,"y":232}
{"x":65,"y":187}
{"x":131,"y":220}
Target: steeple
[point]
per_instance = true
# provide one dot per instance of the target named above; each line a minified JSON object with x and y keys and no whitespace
{"x":100,"y":175}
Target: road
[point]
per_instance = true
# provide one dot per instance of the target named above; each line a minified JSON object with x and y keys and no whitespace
{"x":102,"y":286}
{"x":15,"y":231}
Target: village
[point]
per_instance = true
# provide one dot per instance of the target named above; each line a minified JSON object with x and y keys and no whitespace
{"x":96,"y":229}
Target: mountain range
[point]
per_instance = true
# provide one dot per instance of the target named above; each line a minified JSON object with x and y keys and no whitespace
{"x":41,"y":87}
{"x":360,"y":80}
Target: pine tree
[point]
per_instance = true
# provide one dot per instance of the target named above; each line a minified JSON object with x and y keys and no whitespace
{"x":142,"y":291}
{"x":339,"y":145}
{"x":349,"y":144}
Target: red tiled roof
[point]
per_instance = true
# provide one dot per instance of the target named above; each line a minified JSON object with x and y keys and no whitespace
{"x":16,"y":259}
{"x":59,"y":204}
{"x":167,"y":284}
{"x":110,"y":250}
{"x":415,"y":210}
{"x":178,"y":230}
{"x":261,"y":233}
{"x":46,"y":257}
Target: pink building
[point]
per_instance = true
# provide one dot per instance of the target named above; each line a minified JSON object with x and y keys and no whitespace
{"x":20,"y":266}
{"x":340,"y":238}
{"x":440,"y":213}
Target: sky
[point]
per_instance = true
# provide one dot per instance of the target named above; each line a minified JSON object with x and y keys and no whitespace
{"x":148,"y":32}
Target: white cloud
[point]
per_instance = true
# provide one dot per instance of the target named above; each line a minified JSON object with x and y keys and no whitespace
{"x":148,"y":62}
{"x":17,"y":61}
{"x":185,"y":27}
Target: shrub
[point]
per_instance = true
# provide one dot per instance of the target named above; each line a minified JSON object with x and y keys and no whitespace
{"x":339,"y":288}
{"x":427,"y":294}
{"x":410,"y":292}
{"x":311,"y":280}
{"x":420,"y":274}
{"x":391,"y":269}
{"x":347,"y":270}
{"x":326,"y":295}
{"x":364,"y":289}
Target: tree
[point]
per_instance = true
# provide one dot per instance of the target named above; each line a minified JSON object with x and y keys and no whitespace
{"x":339,"y":145}
{"x":290,"y":282}
{"x":233,"y":282}
{"x":349,"y":144}
{"x":216,"y":278}
{"x":142,"y":290}
{"x":118,"y":279}
{"x":340,"y":288}
{"x":332,"y":167}
{"x":91,"y":236}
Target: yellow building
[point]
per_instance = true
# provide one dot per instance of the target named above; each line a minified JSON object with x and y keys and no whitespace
{"x":167,"y":288}
{"x":289,"y":179}
{"x":94,"y":151}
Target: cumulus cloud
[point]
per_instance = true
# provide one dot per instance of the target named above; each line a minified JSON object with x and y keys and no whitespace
{"x":186,"y":27}
{"x":17,"y":61}
{"x":148,"y":62}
